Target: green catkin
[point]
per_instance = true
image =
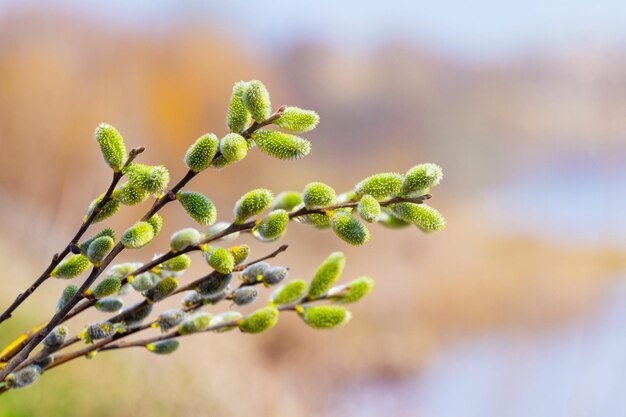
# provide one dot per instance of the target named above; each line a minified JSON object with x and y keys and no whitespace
{"x":240,"y":253}
{"x":256,"y":98}
{"x":233,"y":147}
{"x":106,"y":287}
{"x":390,"y":221}
{"x":68,"y":293}
{"x":380,"y":186}
{"x":184,"y":238}
{"x":123,"y":269}
{"x":226,"y":317}
{"x":287,"y":200}
{"x":260,"y":320}
{"x":219,"y":162}
{"x":104,"y":232}
{"x":96,"y":331}
{"x":137,"y":236}
{"x":109,"y":304}
{"x":177,"y":264}
{"x":156,"y":221}
{"x":238,"y":117}
{"x":151,"y":179}
{"x":196,"y":323}
{"x":163,"y":347}
{"x":161,"y":290}
{"x":349,"y":229}
{"x":198,"y":207}
{"x":71,"y":267}
{"x":143,"y":281}
{"x":421,"y":177}
{"x":325,"y":317}
{"x":275,"y":275}
{"x":353,"y":291}
{"x":254,"y":273}
{"x":170,"y":318}
{"x":200,"y":155}
{"x":56,"y":337}
{"x":318,"y":194}
{"x":321,"y":221}
{"x":130,"y":195}
{"x":289,"y":293}
{"x":99,"y":249}
{"x":221,"y":260}
{"x":24,"y":377}
{"x":214,"y":284}
{"x":272,"y":227}
{"x":251,"y":204}
{"x":327,"y":274}
{"x":108,"y":210}
{"x":111,"y":145}
{"x":426,"y":218}
{"x":281,"y":145}
{"x":298,"y":120}
{"x":369,"y":208}
{"x":245,"y":295}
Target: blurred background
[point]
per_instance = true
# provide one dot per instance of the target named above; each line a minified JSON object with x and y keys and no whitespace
{"x":517,"y":309}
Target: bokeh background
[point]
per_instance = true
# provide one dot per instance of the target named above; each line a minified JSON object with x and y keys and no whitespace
{"x":517,"y":309}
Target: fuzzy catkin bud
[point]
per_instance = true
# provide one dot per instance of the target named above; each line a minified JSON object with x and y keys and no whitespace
{"x":106,"y":287}
{"x":104,"y":232}
{"x":275,"y":275}
{"x":281,"y":145}
{"x":251,"y":204}
{"x":219,"y":162}
{"x":196,"y":323}
{"x":190,"y":299}
{"x":108,"y":210}
{"x":138,"y":235}
{"x":68,"y":293}
{"x":161,"y":290}
{"x":170,"y":319}
{"x":99,"y":249}
{"x":111,"y":145}
{"x":200,"y":155}
{"x":96,"y":331}
{"x":150,"y":179}
{"x":216,"y":298}
{"x":226,"y":317}
{"x":23,"y":377}
{"x":369,"y":208}
{"x":325,"y":317}
{"x":144,"y":281}
{"x":260,"y":320}
{"x":221,"y":260}
{"x":240,"y":253}
{"x":272,"y":227}
{"x":298,"y":120}
{"x":156,"y":221}
{"x":421,"y":177}
{"x":179,"y":263}
{"x":426,"y":218}
{"x":380,"y":186}
{"x":214,"y":284}
{"x":349,"y":229}
{"x":56,"y":337}
{"x":130,"y":195}
{"x":184,"y":238}
{"x":245,"y":295}
{"x":163,"y":347}
{"x":318,"y":194}
{"x":238,"y":116}
{"x":287,"y":200}
{"x":327,"y":274}
{"x":256,"y":98}
{"x":136,"y":314}
{"x":254,"y":273}
{"x":198,"y":207}
{"x":390,"y":221}
{"x":290,"y":292}
{"x":71,"y":267}
{"x":220,"y":227}
{"x":354,"y":290}
{"x":233,"y":147}
{"x":123,"y":269}
{"x":109,"y":304}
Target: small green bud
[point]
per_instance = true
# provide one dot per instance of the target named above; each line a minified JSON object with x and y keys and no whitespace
{"x":252,"y":203}
{"x":56,"y":337}
{"x":161,"y":290}
{"x":71,"y":267}
{"x":290,"y":292}
{"x":325,"y":317}
{"x":226,"y":317}
{"x":221,"y":260}
{"x":298,"y":120}
{"x":273,"y":227}
{"x":238,"y":116}
{"x":104,"y":232}
{"x":380,"y":186}
{"x":287,"y":200}
{"x":281,"y":145}
{"x":256,"y":98}
{"x":184,"y":238}
{"x":99,"y":249}
{"x":130,"y":195}
{"x":321,"y":221}
{"x":369,"y":208}
{"x":426,"y":218}
{"x":96,"y":331}
{"x":143,"y":281}
{"x":421,"y":177}
{"x":327,"y":274}
{"x":254,"y":273}
{"x":390,"y":221}
{"x":200,"y":155}
{"x":260,"y":320}
{"x":190,"y":299}
{"x":198,"y":207}
{"x":353,"y":291}
{"x":214,"y":284}
{"x":111,"y":145}
{"x":233,"y":147}
{"x":170,"y":319}
{"x":150,"y":179}
{"x":179,"y":263}
{"x":68,"y":293}
{"x":240,"y":253}
{"x":163,"y":347}
{"x":106,"y":287}
{"x":196,"y":323}
{"x":134,"y":315}
{"x":318,"y":194}
{"x":245,"y":295}
{"x":138,"y":235}
{"x":156,"y":221}
{"x":275,"y":275}
{"x":108,"y":210}
{"x":109,"y":304}
{"x":349,"y":229}
{"x":24,"y":377}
